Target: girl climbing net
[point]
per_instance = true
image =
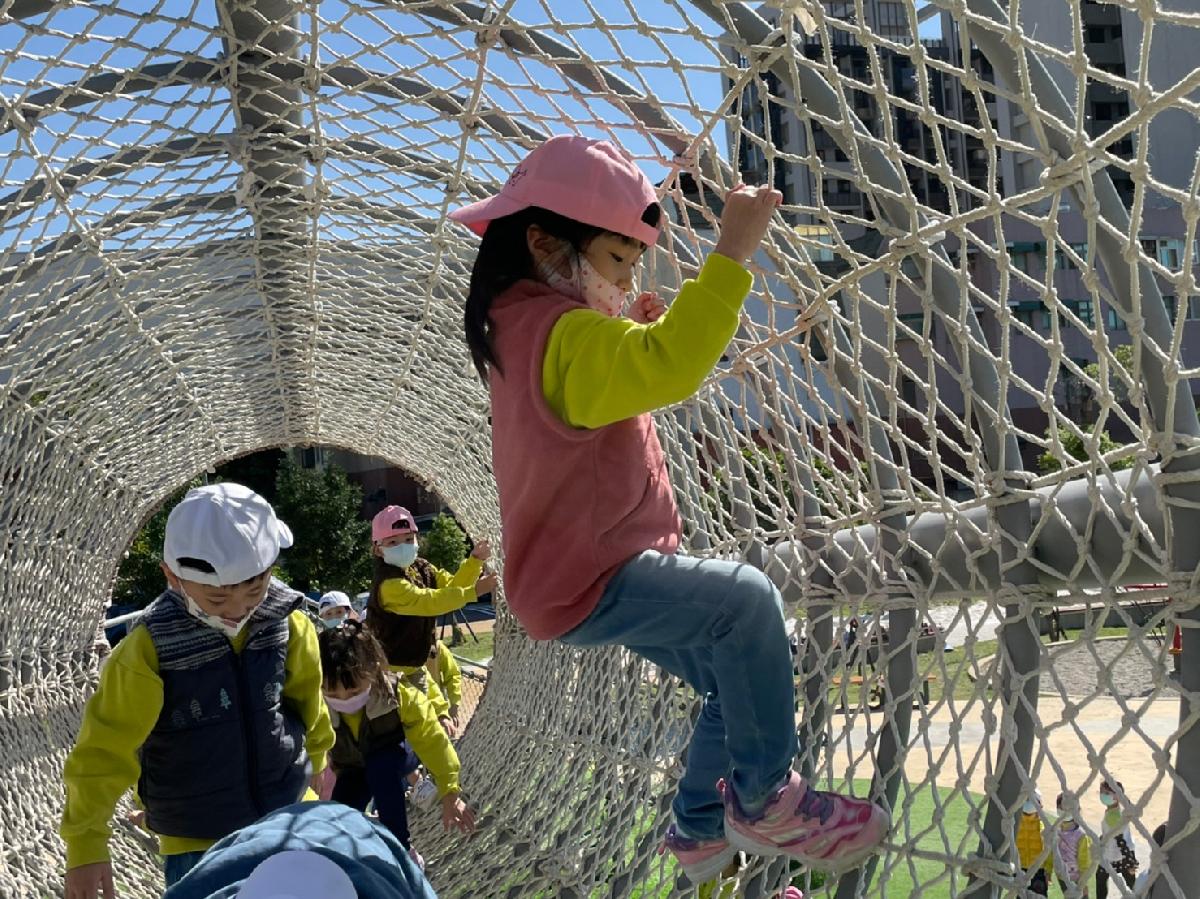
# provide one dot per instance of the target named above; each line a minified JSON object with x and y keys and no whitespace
{"x":590,"y":525}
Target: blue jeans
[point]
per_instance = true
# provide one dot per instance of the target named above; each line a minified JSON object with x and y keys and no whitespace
{"x":719,"y":626}
{"x":175,"y":866}
{"x":381,"y":779}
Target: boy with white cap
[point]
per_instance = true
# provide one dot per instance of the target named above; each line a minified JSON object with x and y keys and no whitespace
{"x":212,"y":705}
{"x":334,"y":609}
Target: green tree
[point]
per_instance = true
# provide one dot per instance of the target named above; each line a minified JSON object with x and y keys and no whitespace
{"x":1124,"y":357}
{"x":1073,"y":446}
{"x":323,"y":509}
{"x":444,"y":544}
{"x":139,"y":576}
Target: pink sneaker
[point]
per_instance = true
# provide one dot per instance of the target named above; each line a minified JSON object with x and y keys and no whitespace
{"x":701,"y":860}
{"x":826,"y":831}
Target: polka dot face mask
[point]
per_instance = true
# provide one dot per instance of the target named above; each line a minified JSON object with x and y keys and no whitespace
{"x":583,"y":283}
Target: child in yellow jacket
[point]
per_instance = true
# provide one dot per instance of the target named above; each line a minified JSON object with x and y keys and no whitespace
{"x":211,"y":706}
{"x":377,"y":717}
{"x":446,"y":674}
{"x":1032,"y":851}
{"x":408,"y":593}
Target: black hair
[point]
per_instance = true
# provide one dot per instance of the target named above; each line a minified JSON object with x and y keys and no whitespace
{"x":350,"y":655}
{"x":504,"y":259}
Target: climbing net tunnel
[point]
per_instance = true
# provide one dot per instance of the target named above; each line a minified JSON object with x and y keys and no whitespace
{"x":223,"y":229}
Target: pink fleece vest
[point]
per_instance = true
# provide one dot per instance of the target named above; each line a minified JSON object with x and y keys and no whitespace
{"x":575,"y":504}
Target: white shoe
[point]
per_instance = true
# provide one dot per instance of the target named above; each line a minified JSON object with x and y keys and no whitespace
{"x":425,"y":794}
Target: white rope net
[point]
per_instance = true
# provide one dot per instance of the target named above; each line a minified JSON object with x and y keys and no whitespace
{"x":222,"y":228}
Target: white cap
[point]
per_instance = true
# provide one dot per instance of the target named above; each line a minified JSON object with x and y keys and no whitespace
{"x":228,"y":526}
{"x":297,"y":874}
{"x":334,"y":598}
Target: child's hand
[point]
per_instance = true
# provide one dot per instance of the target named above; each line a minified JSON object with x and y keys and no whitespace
{"x":482,"y":551}
{"x":647,"y":308}
{"x":96,"y":879}
{"x":454,"y":716}
{"x":457,"y":814}
{"x":449,"y":727}
{"x":748,"y":212}
{"x":486,"y":584}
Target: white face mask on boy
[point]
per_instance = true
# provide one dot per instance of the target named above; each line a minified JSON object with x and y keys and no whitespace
{"x":216,"y":622}
{"x":583,"y":283}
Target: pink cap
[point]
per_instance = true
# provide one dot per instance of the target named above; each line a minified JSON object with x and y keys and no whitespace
{"x":392,"y":522}
{"x":590,"y":181}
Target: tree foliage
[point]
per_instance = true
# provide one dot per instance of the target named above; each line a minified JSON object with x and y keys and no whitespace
{"x":323,"y":509}
{"x":1072,"y":444}
{"x":139,"y":576}
{"x":444,"y":544}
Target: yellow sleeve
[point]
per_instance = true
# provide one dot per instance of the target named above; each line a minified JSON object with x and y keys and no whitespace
{"x":599,"y":370}
{"x":1085,"y":854}
{"x":466,"y":576}
{"x":425,"y":735}
{"x":450,"y":675}
{"x":104,"y":763}
{"x":302,"y":688}
{"x":403,"y":597}
{"x":437,"y":699}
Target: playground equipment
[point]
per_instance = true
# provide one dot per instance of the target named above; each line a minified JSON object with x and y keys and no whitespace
{"x":223,"y":228}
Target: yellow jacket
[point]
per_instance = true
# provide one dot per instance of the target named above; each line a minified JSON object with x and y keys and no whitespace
{"x":599,"y":370}
{"x":403,"y":597}
{"x":1030,"y":844}
{"x":124,"y":709}
{"x":444,"y":672}
{"x":424,"y":734}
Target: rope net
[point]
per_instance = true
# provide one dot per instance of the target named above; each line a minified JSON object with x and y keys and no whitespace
{"x":223,"y":228}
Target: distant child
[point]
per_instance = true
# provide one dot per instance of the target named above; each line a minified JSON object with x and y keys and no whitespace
{"x":334,"y":609}
{"x":408,"y":593}
{"x":1072,"y":853}
{"x":444,"y":670}
{"x":590,"y":525}
{"x":377,"y":717}
{"x":211,"y":706}
{"x":1143,"y":880}
{"x":1119,"y":856}
{"x":1032,"y":851}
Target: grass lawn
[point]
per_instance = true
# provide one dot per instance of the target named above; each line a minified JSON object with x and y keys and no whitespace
{"x":470,"y":649}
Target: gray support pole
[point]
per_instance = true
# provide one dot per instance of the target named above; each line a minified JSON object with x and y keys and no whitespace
{"x":1001,"y":451}
{"x":269,"y":114}
{"x":1174,"y":416}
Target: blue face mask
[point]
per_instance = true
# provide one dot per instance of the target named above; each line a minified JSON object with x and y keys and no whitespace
{"x":334,"y":622}
{"x":401,"y":555}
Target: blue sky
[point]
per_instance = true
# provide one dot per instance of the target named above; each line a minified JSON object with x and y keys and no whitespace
{"x":121,"y":34}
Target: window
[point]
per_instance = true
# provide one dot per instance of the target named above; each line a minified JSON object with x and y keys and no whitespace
{"x":1033,"y":314}
{"x":1083,"y":310}
{"x":915,"y":322}
{"x":1115,"y":322}
{"x":1193,"y":309}
{"x":1024,"y":255}
{"x":1168,"y":251}
{"x":1096,"y":34}
{"x":908,"y":390}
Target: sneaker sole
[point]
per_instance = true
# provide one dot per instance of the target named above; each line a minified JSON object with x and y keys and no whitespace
{"x":842,"y":862}
{"x":711,"y":868}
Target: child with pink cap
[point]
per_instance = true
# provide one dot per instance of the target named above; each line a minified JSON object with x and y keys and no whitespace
{"x":590,"y":526}
{"x":407,"y":595}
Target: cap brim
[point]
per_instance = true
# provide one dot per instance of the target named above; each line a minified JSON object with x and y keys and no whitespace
{"x":477,"y":216}
{"x":284,"y":533}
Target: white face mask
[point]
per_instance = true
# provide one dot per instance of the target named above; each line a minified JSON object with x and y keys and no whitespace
{"x":584,"y":283}
{"x":1030,"y":807}
{"x":402,"y":555}
{"x":215,"y":621}
{"x":351,"y":705}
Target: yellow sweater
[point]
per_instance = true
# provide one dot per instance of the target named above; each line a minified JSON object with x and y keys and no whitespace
{"x":1030,"y":844}
{"x":424,"y":734}
{"x":444,"y":672}
{"x":453,"y":591}
{"x":124,"y":709}
{"x":599,"y":370}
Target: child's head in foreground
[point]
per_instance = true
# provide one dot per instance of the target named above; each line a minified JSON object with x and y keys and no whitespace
{"x":221,"y":542}
{"x":577,"y":214}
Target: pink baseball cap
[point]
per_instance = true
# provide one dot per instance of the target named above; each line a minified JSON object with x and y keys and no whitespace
{"x":590,"y":181}
{"x":392,"y":522}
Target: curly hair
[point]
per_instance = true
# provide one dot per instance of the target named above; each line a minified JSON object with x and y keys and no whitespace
{"x":351,"y":656}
